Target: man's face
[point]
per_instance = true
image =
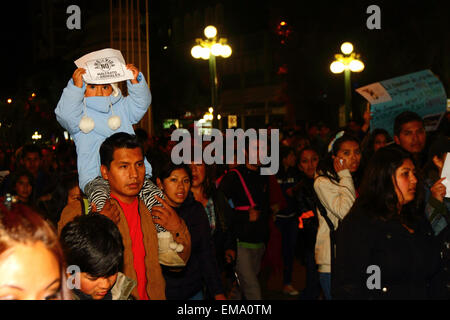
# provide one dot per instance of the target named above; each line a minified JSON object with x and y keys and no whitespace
{"x":125,"y":174}
{"x":31,"y":162}
{"x":412,"y":137}
{"x":47,"y":157}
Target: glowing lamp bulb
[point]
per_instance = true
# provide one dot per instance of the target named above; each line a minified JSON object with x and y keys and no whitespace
{"x":210,"y":32}
{"x":347,"y":48}
{"x":226,"y":51}
{"x":196,"y":52}
{"x":216,"y":49}
{"x":356,"y":65}
{"x":337,"y":67}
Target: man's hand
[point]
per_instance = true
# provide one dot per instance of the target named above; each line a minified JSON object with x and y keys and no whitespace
{"x":168,"y":218}
{"x":438,"y":163}
{"x":253,"y":214}
{"x":367,"y":116}
{"x":135,"y":71}
{"x":78,"y":77}
{"x":438,"y":190}
{"x":109,"y":210}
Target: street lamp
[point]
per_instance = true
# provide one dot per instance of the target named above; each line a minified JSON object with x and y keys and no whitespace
{"x":209,"y":49}
{"x":347,"y":62}
{"x":36,"y":136}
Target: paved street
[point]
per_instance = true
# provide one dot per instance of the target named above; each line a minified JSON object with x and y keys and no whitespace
{"x":272,"y":282}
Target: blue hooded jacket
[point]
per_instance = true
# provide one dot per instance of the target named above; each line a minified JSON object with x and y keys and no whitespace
{"x":70,"y":110}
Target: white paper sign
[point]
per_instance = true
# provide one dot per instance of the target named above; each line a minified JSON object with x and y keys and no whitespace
{"x":374,"y":93}
{"x":104,"y":66}
{"x":446,"y":173}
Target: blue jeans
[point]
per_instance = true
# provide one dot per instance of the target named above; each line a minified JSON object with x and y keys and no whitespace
{"x":325,"y":282}
{"x":289,"y":232}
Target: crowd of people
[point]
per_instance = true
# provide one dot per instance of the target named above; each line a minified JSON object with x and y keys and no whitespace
{"x":341,"y":205}
{"x":112,"y":213}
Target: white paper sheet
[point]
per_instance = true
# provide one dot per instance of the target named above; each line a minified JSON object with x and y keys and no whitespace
{"x":374,"y":93}
{"x":446,"y":173}
{"x":104,"y":66}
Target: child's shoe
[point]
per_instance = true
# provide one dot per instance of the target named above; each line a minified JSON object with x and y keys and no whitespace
{"x":167,"y":250}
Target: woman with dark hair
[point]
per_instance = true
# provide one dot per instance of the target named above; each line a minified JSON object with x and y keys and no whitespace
{"x":308,"y":159}
{"x":201,"y":269}
{"x":385,"y":248}
{"x":67,"y":191}
{"x":218,"y":211}
{"x":335,"y":188}
{"x":377,"y":139}
{"x":32,"y":265}
{"x":286,"y":218}
{"x":22,"y":183}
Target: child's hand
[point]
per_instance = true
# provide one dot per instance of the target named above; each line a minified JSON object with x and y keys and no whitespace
{"x":109,"y":210}
{"x":78,"y":77}
{"x":135,"y":71}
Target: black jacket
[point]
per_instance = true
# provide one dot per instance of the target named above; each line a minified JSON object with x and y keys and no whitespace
{"x":288,"y":179}
{"x":201,"y":268}
{"x":409,"y":263}
{"x":258,"y":186}
{"x":223,"y":235}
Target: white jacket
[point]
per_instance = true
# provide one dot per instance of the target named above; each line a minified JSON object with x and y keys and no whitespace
{"x":337,"y":198}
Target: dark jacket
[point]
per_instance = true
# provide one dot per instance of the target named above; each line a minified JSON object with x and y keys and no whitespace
{"x":201,"y":268}
{"x":258,"y":186}
{"x":223,"y":236}
{"x":307,"y":202}
{"x":288,"y":179}
{"x":306,"y":198}
{"x":409,"y":263}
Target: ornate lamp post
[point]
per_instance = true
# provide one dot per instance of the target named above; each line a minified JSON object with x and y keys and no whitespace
{"x":347,"y":62}
{"x":209,"y":49}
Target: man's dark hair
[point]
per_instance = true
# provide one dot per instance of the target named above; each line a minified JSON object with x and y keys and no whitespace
{"x":94,"y":243}
{"x":117,"y":141}
{"x":405,"y":117}
{"x":30,"y":148}
{"x":285,"y":151}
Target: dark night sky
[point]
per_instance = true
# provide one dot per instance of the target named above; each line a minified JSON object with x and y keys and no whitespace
{"x":413,"y":35}
{"x":16,"y":47}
